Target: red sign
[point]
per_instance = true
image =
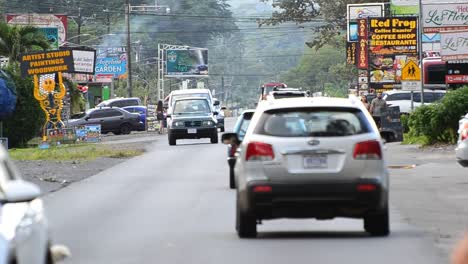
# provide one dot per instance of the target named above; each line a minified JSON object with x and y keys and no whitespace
{"x":363,"y":47}
{"x":453,"y":79}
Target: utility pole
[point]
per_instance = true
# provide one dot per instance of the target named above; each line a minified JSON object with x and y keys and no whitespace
{"x":128,"y":49}
{"x":107,"y":19}
{"x":420,"y":47}
{"x":79,"y":25}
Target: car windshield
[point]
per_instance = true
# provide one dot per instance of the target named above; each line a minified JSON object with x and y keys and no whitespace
{"x":191,"y":106}
{"x":319,"y":122}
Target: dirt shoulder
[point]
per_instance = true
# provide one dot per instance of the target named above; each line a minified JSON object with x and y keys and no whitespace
{"x":52,"y":175}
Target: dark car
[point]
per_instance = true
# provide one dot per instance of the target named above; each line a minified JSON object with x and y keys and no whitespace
{"x":138,"y":109}
{"x":115,"y":120}
{"x":120,"y":102}
{"x":192,"y":118}
{"x":240,"y":129}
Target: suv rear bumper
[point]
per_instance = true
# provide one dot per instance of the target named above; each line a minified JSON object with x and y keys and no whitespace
{"x":315,"y":200}
{"x":206,"y":132}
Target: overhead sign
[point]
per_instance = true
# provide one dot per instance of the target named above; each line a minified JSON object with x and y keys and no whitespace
{"x":191,"y":62}
{"x":42,"y":21}
{"x":454,"y":45}
{"x":361,"y":11}
{"x":411,"y":72}
{"x":404,"y":7}
{"x":363,"y":48}
{"x":411,"y":86}
{"x":69,"y":60}
{"x":444,"y":17}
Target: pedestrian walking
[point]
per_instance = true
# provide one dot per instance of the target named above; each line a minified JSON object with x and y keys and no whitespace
{"x":160,"y":116}
{"x":378,"y":108}
{"x":365,"y":102}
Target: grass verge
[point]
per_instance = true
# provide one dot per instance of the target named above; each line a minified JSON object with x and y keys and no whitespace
{"x":73,"y":152}
{"x":413,"y":140}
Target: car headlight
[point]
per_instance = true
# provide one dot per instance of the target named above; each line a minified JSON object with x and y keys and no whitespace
{"x":207,"y":123}
{"x":178,"y":124}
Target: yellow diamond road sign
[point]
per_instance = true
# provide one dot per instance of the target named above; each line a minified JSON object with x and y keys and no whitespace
{"x":411,"y":72}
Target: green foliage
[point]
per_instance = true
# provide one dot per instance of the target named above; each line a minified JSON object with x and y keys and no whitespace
{"x":15,"y":40}
{"x":77,"y":100}
{"x":28,"y":118}
{"x":438,"y":122}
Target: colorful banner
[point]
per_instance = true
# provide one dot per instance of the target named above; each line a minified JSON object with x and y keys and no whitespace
{"x":363,"y":48}
{"x":454,"y":45}
{"x":192,"y":62}
{"x":445,"y":17}
{"x":351,"y":51}
{"x":42,"y":21}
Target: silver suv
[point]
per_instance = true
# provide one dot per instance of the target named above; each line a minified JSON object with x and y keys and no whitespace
{"x":311,"y":158}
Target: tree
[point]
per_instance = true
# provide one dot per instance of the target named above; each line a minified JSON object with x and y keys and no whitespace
{"x":15,"y":40}
{"x":330,"y":16}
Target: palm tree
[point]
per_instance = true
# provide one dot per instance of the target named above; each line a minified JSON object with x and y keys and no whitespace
{"x":15,"y":40}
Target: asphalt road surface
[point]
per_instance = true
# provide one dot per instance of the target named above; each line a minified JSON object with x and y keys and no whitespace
{"x":173,"y":205}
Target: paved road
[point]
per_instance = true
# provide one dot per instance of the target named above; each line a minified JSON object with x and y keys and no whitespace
{"x":173,"y":205}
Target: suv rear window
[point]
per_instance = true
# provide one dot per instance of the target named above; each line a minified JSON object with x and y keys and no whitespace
{"x":315,"y":122}
{"x":287,"y":95}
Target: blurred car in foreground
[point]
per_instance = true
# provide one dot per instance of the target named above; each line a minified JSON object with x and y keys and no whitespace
{"x":23,"y":224}
{"x":462,"y":147}
{"x":192,"y":118}
{"x":240,"y":129}
{"x":140,"y":110}
{"x":311,"y":158}
{"x":115,"y":120}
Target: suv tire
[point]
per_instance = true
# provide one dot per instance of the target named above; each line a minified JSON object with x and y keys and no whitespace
{"x":125,"y":129}
{"x":172,"y":139}
{"x":378,"y":224}
{"x":246,"y":224}
{"x":214,"y":138}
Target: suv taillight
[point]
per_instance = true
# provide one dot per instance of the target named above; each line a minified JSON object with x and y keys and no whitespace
{"x":464,"y":132}
{"x":368,"y":150}
{"x":258,"y":151}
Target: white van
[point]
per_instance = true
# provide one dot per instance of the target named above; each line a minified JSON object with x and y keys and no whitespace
{"x":177,"y":94}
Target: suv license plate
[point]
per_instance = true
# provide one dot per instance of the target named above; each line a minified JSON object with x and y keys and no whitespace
{"x":315,"y":161}
{"x":192,"y":131}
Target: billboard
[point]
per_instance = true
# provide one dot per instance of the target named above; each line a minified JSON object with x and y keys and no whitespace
{"x":393,"y":43}
{"x":51,"y":34}
{"x":42,"y":21}
{"x":69,"y":60}
{"x":361,"y":11}
{"x":454,"y":45}
{"x":191,"y":62}
{"x":111,"y":63}
{"x":444,"y":17}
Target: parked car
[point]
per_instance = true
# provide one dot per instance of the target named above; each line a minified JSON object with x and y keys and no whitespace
{"x":140,"y":110}
{"x":192,"y":118}
{"x":403,"y":98}
{"x":23,"y":223}
{"x":120,"y":102}
{"x":462,"y":147}
{"x":115,"y":120}
{"x":240,"y":128}
{"x":306,"y":158}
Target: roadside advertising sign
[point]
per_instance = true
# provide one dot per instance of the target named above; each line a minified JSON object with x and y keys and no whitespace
{"x":42,"y":21}
{"x":363,"y":47}
{"x":192,"y":62}
{"x":67,"y":60}
{"x":351,"y":52}
{"x":63,"y":135}
{"x":51,"y":34}
{"x":361,"y":11}
{"x":456,"y":78}
{"x":404,"y":7}
{"x":454,"y":45}
{"x":393,"y":43}
{"x":439,"y":17}
{"x":111,"y":62}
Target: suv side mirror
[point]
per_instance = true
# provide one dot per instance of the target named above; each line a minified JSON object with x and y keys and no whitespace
{"x":18,"y":191}
{"x":230,"y":139}
{"x":215,"y":113}
{"x":216,"y":103}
